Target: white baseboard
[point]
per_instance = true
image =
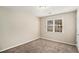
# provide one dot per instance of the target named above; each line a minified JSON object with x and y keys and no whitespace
{"x":58,"y":41}
{"x":20,"y":44}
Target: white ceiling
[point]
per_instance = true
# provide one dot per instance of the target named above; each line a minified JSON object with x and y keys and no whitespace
{"x":43,"y":11}
{"x":51,"y":10}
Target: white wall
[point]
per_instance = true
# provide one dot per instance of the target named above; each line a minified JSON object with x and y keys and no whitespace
{"x":69,"y":31}
{"x":77,"y":32}
{"x":17,"y":27}
{"x":77,"y":21}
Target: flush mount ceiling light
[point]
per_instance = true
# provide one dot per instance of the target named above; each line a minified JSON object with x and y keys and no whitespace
{"x":43,"y":7}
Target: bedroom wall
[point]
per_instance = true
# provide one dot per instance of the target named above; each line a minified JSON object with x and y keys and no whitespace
{"x":69,"y":31}
{"x":77,"y":29}
{"x":17,"y":27}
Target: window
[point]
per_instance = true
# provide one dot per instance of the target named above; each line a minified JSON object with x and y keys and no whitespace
{"x":54,"y":26}
{"x":50,"y":25}
{"x":58,"y":25}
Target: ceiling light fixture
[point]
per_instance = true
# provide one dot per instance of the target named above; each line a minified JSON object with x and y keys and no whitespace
{"x":43,"y":7}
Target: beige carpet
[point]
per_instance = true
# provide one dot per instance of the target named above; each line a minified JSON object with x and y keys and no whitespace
{"x":43,"y":46}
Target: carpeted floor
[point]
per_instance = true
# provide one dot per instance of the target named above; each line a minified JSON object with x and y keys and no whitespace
{"x":43,"y":46}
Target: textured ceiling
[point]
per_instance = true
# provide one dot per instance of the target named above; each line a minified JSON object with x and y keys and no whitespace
{"x":51,"y":10}
{"x":43,"y":11}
